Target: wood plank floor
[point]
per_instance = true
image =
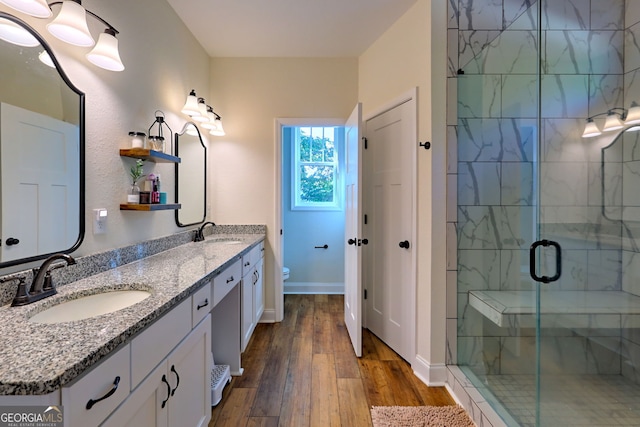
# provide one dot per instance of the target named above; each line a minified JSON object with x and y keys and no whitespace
{"x":303,"y":372}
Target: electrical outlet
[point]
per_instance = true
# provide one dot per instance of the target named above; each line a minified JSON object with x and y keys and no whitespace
{"x":99,"y":221}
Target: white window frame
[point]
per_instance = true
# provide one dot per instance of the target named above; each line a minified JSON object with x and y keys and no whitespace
{"x":296,"y":203}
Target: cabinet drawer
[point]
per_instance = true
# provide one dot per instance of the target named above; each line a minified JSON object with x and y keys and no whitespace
{"x":225,"y":281}
{"x":154,"y":343}
{"x":250,"y":259}
{"x":200,"y":304}
{"x":97,"y":384}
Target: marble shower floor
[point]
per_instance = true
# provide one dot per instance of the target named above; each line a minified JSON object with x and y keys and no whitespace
{"x":570,"y":400}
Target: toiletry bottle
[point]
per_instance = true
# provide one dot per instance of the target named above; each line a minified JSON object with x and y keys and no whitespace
{"x":155,"y":194}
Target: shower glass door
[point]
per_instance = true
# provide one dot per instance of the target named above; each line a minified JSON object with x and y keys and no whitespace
{"x":537,"y":200}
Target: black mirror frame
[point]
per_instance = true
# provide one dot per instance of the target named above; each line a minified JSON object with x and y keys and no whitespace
{"x":177,"y":166}
{"x":81,"y":142}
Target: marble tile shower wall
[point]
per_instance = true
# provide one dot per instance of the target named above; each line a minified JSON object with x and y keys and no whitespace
{"x":590,"y":64}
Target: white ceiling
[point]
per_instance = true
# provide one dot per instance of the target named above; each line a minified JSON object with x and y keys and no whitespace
{"x":288,"y":28}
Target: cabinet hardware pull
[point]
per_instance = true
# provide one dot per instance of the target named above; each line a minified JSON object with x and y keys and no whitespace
{"x":206,"y":303}
{"x":92,"y":402}
{"x":247,"y":264}
{"x":230,"y":279}
{"x":164,"y":380}
{"x":325,"y":246}
{"x":173,"y":369}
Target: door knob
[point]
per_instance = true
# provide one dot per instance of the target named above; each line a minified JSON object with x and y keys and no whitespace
{"x":12,"y":241}
{"x":351,"y":241}
{"x":404,"y":245}
{"x":363,"y":242}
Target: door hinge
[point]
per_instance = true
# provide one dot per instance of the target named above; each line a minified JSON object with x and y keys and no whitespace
{"x":366,"y":141}
{"x":281,"y":231}
{"x":365,"y":219}
{"x":365,"y":294}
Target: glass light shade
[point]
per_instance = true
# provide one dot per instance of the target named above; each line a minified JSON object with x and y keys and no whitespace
{"x":70,"y":25}
{"x":36,"y":8}
{"x":633,"y":129}
{"x":591,"y":129}
{"x":633,"y":116}
{"x":211,"y":124}
{"x":105,"y":53}
{"x":202,"y":112}
{"x":612,"y":123}
{"x":219,"y":130}
{"x":46,"y":59}
{"x":15,"y":34}
{"x":191,"y":106}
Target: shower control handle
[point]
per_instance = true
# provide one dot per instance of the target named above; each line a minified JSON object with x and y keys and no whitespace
{"x":532,"y":261}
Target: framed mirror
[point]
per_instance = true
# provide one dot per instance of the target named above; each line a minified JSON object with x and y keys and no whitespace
{"x":191,"y":176}
{"x":41,"y":150}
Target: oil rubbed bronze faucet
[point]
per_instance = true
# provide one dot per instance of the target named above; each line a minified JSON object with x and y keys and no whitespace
{"x":42,"y":285}
{"x":199,"y":236}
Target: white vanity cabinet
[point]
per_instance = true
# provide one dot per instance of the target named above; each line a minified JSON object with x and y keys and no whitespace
{"x":164,"y":375}
{"x":252,"y":292}
{"x":177,"y":392}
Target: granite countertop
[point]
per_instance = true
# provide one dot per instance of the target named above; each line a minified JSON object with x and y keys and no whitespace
{"x":40,"y":358}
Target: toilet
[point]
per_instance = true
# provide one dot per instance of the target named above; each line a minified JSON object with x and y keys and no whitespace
{"x":285,"y":273}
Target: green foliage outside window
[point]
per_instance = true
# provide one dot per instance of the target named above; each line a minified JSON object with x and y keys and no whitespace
{"x":317,"y":167}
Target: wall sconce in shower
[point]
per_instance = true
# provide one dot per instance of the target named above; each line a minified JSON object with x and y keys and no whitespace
{"x":70,"y":26}
{"x":197,"y":109}
{"x":614,"y":120}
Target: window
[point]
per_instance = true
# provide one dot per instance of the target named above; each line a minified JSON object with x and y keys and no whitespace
{"x":315,"y":169}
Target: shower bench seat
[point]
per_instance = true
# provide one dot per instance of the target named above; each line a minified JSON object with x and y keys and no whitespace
{"x":578,"y":309}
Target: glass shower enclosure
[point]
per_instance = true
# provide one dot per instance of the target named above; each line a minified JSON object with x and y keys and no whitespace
{"x":548,"y":221}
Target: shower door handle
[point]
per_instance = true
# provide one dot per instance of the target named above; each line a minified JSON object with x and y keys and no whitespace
{"x":532,"y":261}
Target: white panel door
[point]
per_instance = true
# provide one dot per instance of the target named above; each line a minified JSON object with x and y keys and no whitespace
{"x":389,"y":309}
{"x":353,"y":230}
{"x":40,"y":191}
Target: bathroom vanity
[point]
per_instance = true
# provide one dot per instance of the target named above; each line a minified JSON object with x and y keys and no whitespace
{"x":147,"y":364}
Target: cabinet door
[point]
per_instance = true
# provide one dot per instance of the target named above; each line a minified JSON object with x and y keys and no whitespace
{"x":189,"y":371}
{"x":258,"y":292}
{"x":146,"y":405}
{"x":247,"y":311}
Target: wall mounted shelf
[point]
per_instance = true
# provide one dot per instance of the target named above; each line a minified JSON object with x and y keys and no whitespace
{"x":151,"y":207}
{"x":150,"y":155}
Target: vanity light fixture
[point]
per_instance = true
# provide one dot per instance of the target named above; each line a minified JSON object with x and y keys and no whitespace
{"x":614,"y":120}
{"x":192,"y":130}
{"x":219,"y":130}
{"x":15,"y":34}
{"x":36,"y":8}
{"x":633,"y":116}
{"x":211,"y":122}
{"x":202,"y":112}
{"x":70,"y":26}
{"x":191,"y":106}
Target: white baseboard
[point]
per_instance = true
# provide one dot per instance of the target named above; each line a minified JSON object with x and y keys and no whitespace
{"x":313,"y":288}
{"x":433,"y":375}
{"x":268,"y":316}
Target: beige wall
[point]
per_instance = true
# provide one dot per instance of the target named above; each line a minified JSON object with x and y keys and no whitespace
{"x":398,"y":61}
{"x":163,"y":62}
{"x":249,"y":94}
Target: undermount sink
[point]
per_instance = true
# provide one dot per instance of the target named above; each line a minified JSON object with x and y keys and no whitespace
{"x":224,"y":241}
{"x":89,"y":306}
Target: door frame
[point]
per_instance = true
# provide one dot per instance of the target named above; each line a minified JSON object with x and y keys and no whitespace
{"x":278,"y":247}
{"x":408,"y":96}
